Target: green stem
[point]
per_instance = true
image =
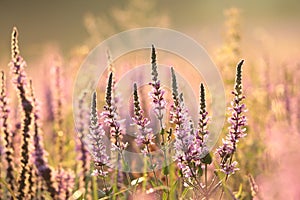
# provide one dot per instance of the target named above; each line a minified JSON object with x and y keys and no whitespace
{"x":165,"y":155}
{"x":151,"y":163}
{"x":160,"y":117}
{"x":197,"y":181}
{"x":115,"y":187}
{"x":205,"y":177}
{"x":212,"y":182}
{"x":126,"y":166}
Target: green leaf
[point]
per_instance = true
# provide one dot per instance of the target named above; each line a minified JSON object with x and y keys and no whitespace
{"x":153,"y":182}
{"x":165,"y":196}
{"x":126,"y":167}
{"x":160,"y":182}
{"x":165,"y":170}
{"x":173,"y":188}
{"x":180,"y":173}
{"x":110,"y":191}
{"x":95,"y":186}
{"x":185,"y":191}
{"x":207,"y":159}
{"x":219,"y":174}
{"x":200,"y":171}
{"x":238,"y":195}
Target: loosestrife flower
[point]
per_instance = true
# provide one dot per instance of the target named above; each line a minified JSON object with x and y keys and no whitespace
{"x":39,"y":154}
{"x":83,"y":122}
{"x":116,"y":127}
{"x":237,"y":128}
{"x":31,"y":180}
{"x":65,"y":180}
{"x":230,"y":168}
{"x":21,"y":84}
{"x":4,"y":113}
{"x":145,"y":135}
{"x":111,"y":118}
{"x":57,"y":105}
{"x":158,"y":106}
{"x":183,"y":133}
{"x":203,"y":115}
{"x":69,"y":183}
{"x":157,"y":93}
{"x":96,"y":136}
{"x":200,"y":150}
{"x":58,"y":98}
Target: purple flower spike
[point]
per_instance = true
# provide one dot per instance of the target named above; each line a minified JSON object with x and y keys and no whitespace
{"x":237,"y":128}
{"x":96,"y":134}
{"x":111,"y":118}
{"x":145,"y":135}
{"x":230,"y":168}
{"x":184,"y":137}
{"x":157,"y":93}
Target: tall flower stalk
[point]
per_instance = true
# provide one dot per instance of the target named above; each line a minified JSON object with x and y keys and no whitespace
{"x":83,"y":157}
{"x":110,"y":116}
{"x":191,"y":153}
{"x":98,"y":149}
{"x":237,"y":128}
{"x":96,"y":135}
{"x":145,"y":135}
{"x":31,"y":179}
{"x":58,"y":111}
{"x":111,"y":120}
{"x":39,"y":154}
{"x":158,"y":105}
{"x":183,"y":137}
{"x":4,"y":111}
{"x":20,"y":81}
{"x":157,"y":93}
{"x":200,"y":147}
{"x":65,"y":183}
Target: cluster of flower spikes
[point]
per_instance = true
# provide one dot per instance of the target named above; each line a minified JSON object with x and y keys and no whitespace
{"x":190,"y":145}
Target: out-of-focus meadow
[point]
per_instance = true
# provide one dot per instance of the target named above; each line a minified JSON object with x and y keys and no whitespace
{"x":55,"y":38}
